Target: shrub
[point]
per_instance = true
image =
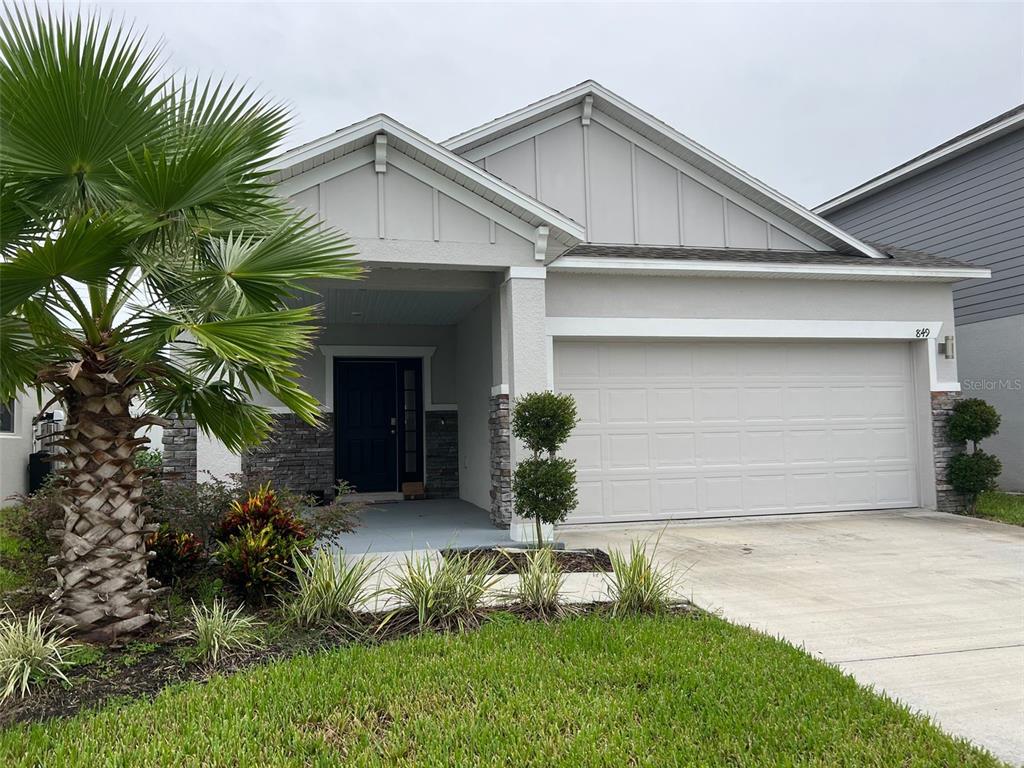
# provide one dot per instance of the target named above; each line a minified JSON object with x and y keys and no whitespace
{"x":262,"y":509}
{"x":178,"y":554}
{"x":636,"y":585}
{"x":257,"y":540}
{"x":543,"y":421}
{"x":972,"y":473}
{"x":326,"y":521}
{"x":189,"y":506}
{"x":30,"y":653}
{"x":29,"y":519}
{"x":540,"y":584}
{"x":216,"y":631}
{"x":444,"y":597}
{"x":972,"y":420}
{"x":329,"y":590}
{"x":544,"y":486}
{"x":149,"y":459}
{"x":545,"y":489}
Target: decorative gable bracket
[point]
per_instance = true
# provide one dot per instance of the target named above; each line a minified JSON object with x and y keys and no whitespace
{"x":540,"y":243}
{"x":380,"y":157}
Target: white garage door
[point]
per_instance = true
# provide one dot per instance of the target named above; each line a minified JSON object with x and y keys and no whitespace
{"x":708,"y":429}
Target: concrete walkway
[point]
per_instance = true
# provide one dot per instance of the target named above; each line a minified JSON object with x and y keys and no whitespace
{"x":925,"y":606}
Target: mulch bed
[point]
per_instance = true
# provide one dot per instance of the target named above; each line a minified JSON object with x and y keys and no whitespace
{"x":111,"y":679}
{"x":569,"y":560}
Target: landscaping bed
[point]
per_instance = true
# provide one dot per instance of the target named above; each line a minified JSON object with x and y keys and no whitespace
{"x":588,"y":690}
{"x":568,"y":561}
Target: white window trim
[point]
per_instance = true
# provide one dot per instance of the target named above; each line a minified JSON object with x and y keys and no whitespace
{"x":14,"y":421}
{"x":700,"y":328}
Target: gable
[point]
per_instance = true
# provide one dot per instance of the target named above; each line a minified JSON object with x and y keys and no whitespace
{"x":404,"y":201}
{"x":625,"y":189}
{"x":590,"y":104}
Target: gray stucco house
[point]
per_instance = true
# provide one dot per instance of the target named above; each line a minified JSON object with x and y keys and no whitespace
{"x":964,"y":199}
{"x":731,"y":352}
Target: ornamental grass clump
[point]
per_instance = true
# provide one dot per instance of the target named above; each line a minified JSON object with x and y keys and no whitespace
{"x":636,"y":585}
{"x":329,"y":591}
{"x":31,"y":653}
{"x":217,"y":631}
{"x":540,"y":584}
{"x":445,"y":597}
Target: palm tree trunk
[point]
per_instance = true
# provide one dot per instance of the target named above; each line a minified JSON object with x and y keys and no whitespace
{"x":102,"y":587}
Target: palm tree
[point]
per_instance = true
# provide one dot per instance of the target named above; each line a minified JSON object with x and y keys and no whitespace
{"x":148,"y":270}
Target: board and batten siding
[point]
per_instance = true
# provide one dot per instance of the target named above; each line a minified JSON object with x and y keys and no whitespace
{"x":627,"y":190}
{"x":970,"y":208}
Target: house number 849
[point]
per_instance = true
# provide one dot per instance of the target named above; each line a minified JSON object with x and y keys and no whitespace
{"x":922,"y":332}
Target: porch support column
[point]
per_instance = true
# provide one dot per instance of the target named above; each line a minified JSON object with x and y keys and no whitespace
{"x":525,"y":363}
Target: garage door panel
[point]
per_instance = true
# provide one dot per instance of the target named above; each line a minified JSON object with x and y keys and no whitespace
{"x":762,"y":404}
{"x":676,"y":496}
{"x":675,"y":450}
{"x":672,"y":405}
{"x":710,"y":429}
{"x":624,"y":405}
{"x":718,"y":404}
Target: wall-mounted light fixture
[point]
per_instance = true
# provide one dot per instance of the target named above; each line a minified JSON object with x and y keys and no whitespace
{"x":947,"y":348}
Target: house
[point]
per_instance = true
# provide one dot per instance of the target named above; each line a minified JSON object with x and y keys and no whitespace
{"x":965,"y":199}
{"x":731,"y":353}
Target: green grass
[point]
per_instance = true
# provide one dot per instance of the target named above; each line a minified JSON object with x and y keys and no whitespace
{"x":589,"y":691}
{"x":1003,"y":507}
{"x":9,"y":550}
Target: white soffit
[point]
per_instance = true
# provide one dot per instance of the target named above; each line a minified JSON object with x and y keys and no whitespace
{"x":678,"y":144}
{"x":432,"y":156}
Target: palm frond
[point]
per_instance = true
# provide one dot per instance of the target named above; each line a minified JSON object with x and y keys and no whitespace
{"x":20,"y":357}
{"x":86,"y":250}
{"x":80,"y":96}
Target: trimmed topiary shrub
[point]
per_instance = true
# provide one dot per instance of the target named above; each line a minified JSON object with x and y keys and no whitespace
{"x":972,"y":473}
{"x":973,"y":420}
{"x":544,"y":486}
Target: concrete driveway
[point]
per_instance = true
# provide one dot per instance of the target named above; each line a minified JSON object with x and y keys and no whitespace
{"x":926,"y":606}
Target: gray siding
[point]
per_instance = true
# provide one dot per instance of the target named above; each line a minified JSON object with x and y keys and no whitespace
{"x":970,"y":208}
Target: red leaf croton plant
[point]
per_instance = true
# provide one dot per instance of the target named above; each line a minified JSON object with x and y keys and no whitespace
{"x":148,"y":270}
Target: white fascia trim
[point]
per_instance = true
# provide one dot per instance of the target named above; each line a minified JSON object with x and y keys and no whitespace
{"x":331,"y":352}
{"x":921,"y":164}
{"x":838,"y":271}
{"x":593,"y":88}
{"x":527,"y":273}
{"x":721,"y":328}
{"x":385,"y":124}
{"x":729,"y":328}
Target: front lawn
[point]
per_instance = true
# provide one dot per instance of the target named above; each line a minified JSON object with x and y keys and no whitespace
{"x":590,"y":691}
{"x":1000,"y":506}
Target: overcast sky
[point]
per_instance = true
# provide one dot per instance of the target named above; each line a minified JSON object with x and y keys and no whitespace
{"x":812,"y":99}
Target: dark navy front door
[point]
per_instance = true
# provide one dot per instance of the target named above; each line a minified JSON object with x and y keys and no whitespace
{"x":366,"y":422}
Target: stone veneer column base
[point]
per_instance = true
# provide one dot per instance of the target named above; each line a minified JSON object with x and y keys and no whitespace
{"x":946,"y":499}
{"x":441,"y":463}
{"x":501,"y":460}
{"x":179,"y":449}
{"x":295,"y":456}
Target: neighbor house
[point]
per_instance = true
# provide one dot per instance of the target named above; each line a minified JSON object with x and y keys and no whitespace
{"x":731,"y":353}
{"x":965,"y":199}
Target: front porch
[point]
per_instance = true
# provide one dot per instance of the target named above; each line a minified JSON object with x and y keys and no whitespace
{"x":429,"y":524}
{"x":414,"y":370}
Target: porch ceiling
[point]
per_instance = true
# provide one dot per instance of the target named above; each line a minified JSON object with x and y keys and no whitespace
{"x":376,"y":307}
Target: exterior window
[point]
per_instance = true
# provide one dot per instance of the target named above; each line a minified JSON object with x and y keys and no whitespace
{"x":7,"y":417}
{"x":410,"y":410}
